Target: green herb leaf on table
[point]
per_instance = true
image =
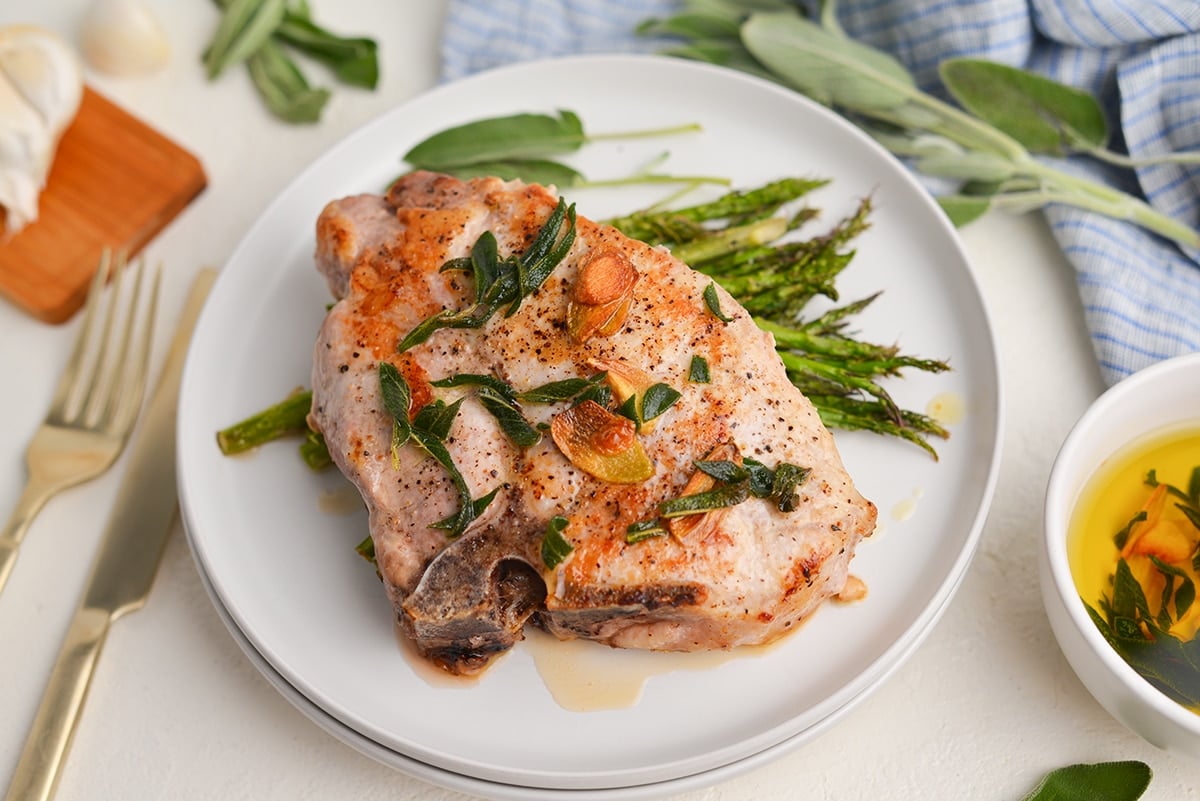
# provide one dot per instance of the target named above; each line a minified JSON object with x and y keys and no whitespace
{"x":244,"y":27}
{"x":354,"y":60}
{"x":283,"y":87}
{"x":265,"y":33}
{"x":1103,"y":781}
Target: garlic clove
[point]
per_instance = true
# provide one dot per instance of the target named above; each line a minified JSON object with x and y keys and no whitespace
{"x":41,"y":85}
{"x":122,"y":37}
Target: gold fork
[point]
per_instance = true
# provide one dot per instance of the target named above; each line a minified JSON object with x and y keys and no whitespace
{"x":96,"y":400}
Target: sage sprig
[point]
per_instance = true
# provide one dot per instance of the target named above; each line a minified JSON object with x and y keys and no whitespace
{"x":521,"y":146}
{"x":990,"y":141}
{"x":264,"y":33}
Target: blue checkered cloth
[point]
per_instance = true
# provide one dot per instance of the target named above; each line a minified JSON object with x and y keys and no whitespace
{"x":1141,"y":58}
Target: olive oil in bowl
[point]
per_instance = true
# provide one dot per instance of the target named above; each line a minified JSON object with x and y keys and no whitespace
{"x":1134,"y":551}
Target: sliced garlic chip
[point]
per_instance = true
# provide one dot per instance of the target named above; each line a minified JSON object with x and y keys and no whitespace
{"x":41,"y":85}
{"x":122,"y":37}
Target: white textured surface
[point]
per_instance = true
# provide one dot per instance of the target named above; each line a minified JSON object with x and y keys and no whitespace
{"x":982,"y":710}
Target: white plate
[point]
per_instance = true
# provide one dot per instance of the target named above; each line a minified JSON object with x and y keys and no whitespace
{"x":496,"y":791}
{"x":283,"y":565}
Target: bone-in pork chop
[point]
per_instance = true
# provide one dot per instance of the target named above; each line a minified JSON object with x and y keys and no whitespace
{"x":783,"y":517}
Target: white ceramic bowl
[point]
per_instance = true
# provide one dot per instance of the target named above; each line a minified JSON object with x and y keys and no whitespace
{"x":1158,"y":396}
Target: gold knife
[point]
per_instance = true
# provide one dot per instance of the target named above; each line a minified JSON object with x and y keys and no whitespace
{"x":122,"y":571}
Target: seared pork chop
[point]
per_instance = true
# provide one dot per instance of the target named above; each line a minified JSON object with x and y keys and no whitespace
{"x":740,"y":574}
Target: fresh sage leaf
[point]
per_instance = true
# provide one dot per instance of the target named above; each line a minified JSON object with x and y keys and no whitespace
{"x":731,"y":54}
{"x":555,"y":547}
{"x":825,"y":65}
{"x":283,"y":87}
{"x":354,"y":60}
{"x":966,"y":166}
{"x":963,"y":209}
{"x":531,"y":171}
{"x":1043,"y":115}
{"x":691,"y":25}
{"x":518,"y":136}
{"x":244,"y":27}
{"x":1104,"y":781}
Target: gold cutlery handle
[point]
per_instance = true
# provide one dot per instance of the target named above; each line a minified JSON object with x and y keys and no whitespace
{"x":33,"y":497}
{"x":41,"y":761}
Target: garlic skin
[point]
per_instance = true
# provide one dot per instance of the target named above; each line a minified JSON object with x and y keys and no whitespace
{"x":123,"y":38}
{"x":41,"y":85}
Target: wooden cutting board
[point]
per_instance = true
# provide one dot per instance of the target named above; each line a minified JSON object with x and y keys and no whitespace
{"x":115,"y":182}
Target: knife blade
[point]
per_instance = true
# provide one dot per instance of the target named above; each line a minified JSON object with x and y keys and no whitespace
{"x":122,"y":570}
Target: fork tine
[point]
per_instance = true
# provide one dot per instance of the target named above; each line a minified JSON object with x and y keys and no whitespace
{"x":130,"y":376}
{"x":101,"y":380}
{"x":68,"y":384}
{"x":108,"y":380}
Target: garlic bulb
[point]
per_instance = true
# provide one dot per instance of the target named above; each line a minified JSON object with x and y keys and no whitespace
{"x":122,"y":37}
{"x":41,"y":85}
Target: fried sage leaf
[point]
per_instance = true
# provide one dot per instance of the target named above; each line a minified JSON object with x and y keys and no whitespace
{"x":555,"y":547}
{"x":502,"y":282}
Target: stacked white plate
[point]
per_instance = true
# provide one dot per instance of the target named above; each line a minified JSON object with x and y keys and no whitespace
{"x":275,"y":542}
